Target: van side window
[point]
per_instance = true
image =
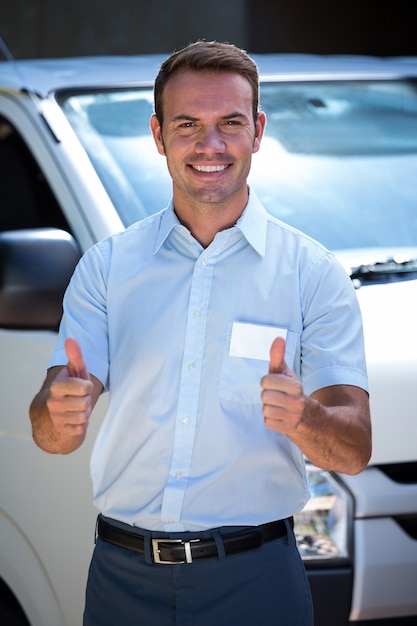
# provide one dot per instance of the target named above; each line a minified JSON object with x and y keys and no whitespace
{"x":26,"y":199}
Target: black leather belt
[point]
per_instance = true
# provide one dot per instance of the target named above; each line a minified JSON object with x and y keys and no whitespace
{"x":180,"y":551}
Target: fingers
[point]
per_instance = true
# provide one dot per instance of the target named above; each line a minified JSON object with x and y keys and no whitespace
{"x":76,"y":365}
{"x":69,"y":413}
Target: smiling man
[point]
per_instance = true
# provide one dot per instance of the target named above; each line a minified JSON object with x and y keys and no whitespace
{"x":209,"y":135}
{"x":231,"y":346}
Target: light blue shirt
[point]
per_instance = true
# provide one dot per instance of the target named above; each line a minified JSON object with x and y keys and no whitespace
{"x":183,"y":445}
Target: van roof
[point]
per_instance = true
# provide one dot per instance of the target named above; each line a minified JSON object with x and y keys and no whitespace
{"x":43,"y":76}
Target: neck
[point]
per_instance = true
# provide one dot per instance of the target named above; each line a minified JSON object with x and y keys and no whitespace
{"x":205,"y":220}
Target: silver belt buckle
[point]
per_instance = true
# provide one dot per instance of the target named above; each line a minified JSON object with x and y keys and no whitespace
{"x":157,"y":553}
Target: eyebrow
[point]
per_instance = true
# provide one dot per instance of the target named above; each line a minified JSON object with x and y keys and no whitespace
{"x":190,"y":118}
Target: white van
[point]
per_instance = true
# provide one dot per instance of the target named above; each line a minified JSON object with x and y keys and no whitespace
{"x":339,"y":161}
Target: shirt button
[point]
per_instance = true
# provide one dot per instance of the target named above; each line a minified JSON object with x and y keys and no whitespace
{"x":204,"y":262}
{"x":191,"y":366}
{"x":185,"y":420}
{"x":178,"y":475}
{"x":197,"y":313}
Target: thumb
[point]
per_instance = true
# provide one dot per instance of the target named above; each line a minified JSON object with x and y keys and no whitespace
{"x":76,"y":365}
{"x":277,"y":364}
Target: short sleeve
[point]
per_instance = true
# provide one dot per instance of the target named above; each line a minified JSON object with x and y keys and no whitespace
{"x":85,"y":313}
{"x":332,"y":343}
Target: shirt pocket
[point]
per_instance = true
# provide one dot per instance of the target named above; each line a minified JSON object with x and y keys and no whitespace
{"x":240,"y":377}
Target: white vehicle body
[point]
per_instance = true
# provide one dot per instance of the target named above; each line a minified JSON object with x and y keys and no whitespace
{"x":47,"y":519}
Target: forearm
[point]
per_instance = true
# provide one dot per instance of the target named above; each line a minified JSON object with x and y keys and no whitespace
{"x":335,"y":437}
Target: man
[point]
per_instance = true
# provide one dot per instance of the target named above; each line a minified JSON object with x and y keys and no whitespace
{"x":231,"y":346}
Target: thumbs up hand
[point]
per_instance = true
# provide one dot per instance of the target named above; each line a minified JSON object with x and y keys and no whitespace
{"x":332,"y":427}
{"x":70,"y":400}
{"x":282,"y":395}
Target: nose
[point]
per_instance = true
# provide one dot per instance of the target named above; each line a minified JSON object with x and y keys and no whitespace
{"x":210,"y":140}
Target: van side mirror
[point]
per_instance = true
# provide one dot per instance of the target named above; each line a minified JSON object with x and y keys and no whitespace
{"x":35,"y":268}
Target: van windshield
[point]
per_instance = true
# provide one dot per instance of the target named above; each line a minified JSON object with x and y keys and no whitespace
{"x":338,"y":160}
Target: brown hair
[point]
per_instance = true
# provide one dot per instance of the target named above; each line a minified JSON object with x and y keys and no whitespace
{"x":207,"y":56}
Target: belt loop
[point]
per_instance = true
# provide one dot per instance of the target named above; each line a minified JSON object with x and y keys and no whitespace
{"x":218,"y":539}
{"x":96,"y":529}
{"x":289,"y":523}
{"x":147,"y":541}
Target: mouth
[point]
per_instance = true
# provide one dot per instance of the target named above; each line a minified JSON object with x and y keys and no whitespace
{"x":209,"y":168}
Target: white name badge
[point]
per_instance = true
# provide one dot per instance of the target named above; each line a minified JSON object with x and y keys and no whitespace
{"x":252,"y":341}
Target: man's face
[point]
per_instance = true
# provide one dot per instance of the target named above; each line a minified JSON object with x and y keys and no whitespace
{"x":208,"y":136}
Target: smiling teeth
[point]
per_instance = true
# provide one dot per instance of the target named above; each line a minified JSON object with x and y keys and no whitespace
{"x":210,"y":168}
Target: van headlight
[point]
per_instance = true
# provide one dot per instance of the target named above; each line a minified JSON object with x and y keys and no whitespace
{"x":323,"y":528}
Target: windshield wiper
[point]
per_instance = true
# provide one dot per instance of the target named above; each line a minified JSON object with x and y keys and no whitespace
{"x":386,"y":271}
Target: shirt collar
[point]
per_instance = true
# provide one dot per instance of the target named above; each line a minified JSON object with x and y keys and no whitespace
{"x":252,"y":224}
{"x":168,"y":222}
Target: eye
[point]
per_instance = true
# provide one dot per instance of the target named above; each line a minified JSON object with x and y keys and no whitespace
{"x":232,"y":125}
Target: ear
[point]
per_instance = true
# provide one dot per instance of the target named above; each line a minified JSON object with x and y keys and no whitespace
{"x":157,"y":134}
{"x":259,"y":131}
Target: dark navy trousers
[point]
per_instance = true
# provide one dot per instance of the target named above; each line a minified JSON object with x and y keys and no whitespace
{"x":265,"y":586}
